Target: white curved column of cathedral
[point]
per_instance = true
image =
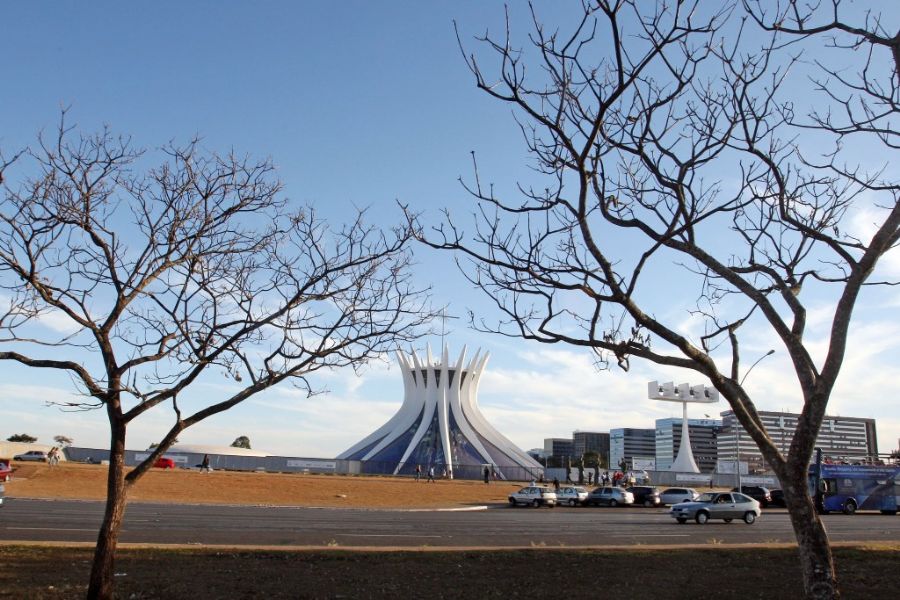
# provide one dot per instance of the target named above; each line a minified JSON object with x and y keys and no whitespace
{"x":402,"y":420}
{"x":421,"y":389}
{"x":460,"y":394}
{"x":476,"y":368}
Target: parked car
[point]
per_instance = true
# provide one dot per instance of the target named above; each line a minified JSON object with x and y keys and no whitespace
{"x":5,"y":470}
{"x":676,"y":495}
{"x":533,"y":495}
{"x":573,"y":495}
{"x":34,"y":455}
{"x":164,"y":463}
{"x":727,"y":506}
{"x":609,"y":496}
{"x":646,"y":495}
{"x":778,"y":498}
{"x":757,"y":492}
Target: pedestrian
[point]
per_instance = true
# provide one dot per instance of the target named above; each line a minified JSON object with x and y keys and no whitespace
{"x":487,"y":474}
{"x":204,"y":464}
{"x":430,"y":474}
{"x":590,"y":478}
{"x":556,"y":484}
{"x":53,"y":456}
{"x":418,"y":471}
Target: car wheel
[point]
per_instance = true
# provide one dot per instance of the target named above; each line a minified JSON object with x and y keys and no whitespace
{"x":613,"y":503}
{"x":749,"y":517}
{"x":648,"y":503}
{"x":728,"y":520}
{"x":536,"y":504}
{"x":701,"y":518}
{"x":849,"y":507}
{"x":572,"y":503}
{"x":681,"y":520}
{"x":512,"y":501}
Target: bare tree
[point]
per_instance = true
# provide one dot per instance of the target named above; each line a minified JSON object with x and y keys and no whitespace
{"x":191,"y":269}
{"x":241,"y":442}
{"x":723,"y":141}
{"x":63,"y":440}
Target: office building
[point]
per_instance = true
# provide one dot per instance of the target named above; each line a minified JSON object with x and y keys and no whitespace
{"x":840,"y":438}
{"x":591,"y":441}
{"x":631,"y":444}
{"x":559,"y":447}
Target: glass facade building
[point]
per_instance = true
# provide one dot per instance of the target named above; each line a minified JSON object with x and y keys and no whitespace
{"x":630,"y":443}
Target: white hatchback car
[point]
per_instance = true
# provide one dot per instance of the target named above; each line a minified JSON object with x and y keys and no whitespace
{"x":533,"y":495}
{"x":572,"y":495}
{"x":672,"y":496}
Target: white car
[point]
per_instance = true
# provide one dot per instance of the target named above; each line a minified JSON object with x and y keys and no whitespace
{"x":573,"y":495}
{"x":533,"y":495}
{"x":727,"y":506}
{"x":672,"y":496}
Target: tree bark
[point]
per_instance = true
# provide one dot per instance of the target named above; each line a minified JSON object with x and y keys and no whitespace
{"x":101,"y":582}
{"x":816,"y":560}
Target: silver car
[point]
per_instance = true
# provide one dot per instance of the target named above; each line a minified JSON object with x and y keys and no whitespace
{"x":35,"y":455}
{"x":727,"y":506}
{"x":573,"y":495}
{"x":675,"y":495}
{"x":533,"y":495}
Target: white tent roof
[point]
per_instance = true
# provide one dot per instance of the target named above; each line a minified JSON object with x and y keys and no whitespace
{"x":221,"y":450}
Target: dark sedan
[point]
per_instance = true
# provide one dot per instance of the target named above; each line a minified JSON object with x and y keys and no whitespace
{"x":646,"y":495}
{"x":757,"y":492}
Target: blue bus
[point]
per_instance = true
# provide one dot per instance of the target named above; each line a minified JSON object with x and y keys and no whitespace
{"x":848,"y":488}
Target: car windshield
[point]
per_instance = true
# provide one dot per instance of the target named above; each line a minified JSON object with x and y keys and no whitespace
{"x":707,"y":497}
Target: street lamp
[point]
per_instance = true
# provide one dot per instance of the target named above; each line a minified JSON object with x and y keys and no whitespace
{"x":738,"y":426}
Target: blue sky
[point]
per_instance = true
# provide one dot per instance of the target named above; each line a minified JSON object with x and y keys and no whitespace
{"x":360,"y":104}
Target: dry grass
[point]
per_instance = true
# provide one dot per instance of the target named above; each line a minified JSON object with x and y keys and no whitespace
{"x":88,"y":482}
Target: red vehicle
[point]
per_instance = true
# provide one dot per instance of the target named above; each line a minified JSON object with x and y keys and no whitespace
{"x":164,"y":463}
{"x":5,"y":470}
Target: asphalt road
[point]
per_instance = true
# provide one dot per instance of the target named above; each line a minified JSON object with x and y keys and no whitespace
{"x":78,"y":521}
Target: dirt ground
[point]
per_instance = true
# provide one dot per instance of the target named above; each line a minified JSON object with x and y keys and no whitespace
{"x":88,"y":482}
{"x":768,"y":573}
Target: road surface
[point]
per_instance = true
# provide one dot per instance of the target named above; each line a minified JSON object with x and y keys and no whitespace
{"x":497,"y":527}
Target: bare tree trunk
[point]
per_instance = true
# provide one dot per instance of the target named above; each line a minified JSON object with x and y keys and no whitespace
{"x":816,"y":560}
{"x":101,"y":582}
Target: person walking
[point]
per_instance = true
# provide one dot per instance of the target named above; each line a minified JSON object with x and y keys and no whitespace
{"x":487,"y":474}
{"x":204,"y":464}
{"x":556,"y":484}
{"x":418,"y":471}
{"x":430,"y":474}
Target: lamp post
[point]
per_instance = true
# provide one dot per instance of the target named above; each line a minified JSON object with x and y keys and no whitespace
{"x":738,"y":426}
